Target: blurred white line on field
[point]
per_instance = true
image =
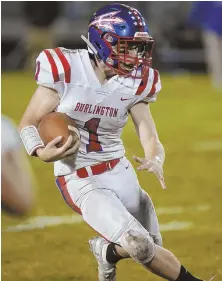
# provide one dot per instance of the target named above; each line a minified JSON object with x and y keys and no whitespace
{"x":180,"y":210}
{"x":46,"y":221}
{"x":42,"y":222}
{"x":176,"y":225}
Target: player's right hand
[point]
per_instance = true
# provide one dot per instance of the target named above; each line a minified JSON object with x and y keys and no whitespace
{"x":152,"y":166}
{"x":51,"y":153}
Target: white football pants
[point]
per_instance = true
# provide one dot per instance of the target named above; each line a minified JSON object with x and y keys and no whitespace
{"x":112,"y":202}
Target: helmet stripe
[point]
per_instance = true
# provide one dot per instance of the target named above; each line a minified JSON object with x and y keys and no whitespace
{"x":138,"y":18}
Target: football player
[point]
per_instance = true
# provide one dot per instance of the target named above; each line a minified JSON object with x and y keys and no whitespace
{"x":17,"y":191}
{"x":99,"y":88}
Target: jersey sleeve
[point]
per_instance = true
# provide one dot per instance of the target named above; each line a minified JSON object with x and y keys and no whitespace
{"x":149,"y":87}
{"x":53,"y":69}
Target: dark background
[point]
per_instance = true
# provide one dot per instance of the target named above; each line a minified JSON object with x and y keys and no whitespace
{"x":178,"y":47}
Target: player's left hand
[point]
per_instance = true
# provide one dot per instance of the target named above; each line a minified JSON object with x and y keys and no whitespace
{"x":152,"y":166}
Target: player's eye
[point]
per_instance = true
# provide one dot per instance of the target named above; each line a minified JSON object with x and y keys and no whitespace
{"x":123,"y":49}
{"x":132,"y":46}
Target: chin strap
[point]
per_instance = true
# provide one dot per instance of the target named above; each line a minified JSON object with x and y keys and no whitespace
{"x":91,"y":48}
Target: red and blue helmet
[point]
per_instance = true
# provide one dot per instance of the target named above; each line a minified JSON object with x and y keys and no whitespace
{"x":114,"y":31}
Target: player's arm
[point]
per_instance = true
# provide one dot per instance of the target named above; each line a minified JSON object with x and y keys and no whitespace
{"x":50,"y":78}
{"x":44,"y":101}
{"x":147,"y":133}
{"x":17,"y":192}
{"x":17,"y":184}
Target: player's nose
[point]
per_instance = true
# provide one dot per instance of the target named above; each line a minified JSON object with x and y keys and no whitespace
{"x":133,"y":53}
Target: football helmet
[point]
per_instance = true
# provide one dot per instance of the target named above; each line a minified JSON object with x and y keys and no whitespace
{"x":119,"y":36}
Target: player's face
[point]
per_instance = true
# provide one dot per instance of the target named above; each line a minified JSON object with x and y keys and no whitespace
{"x":126,"y":56}
{"x":131,"y":54}
{"x":127,"y":63}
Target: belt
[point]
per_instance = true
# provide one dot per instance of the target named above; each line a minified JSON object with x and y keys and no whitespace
{"x":97,"y":169}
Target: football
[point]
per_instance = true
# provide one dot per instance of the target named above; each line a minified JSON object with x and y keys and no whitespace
{"x":56,"y":124}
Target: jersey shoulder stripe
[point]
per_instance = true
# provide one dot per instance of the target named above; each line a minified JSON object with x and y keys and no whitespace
{"x":37,"y":70}
{"x":150,"y":84}
{"x":149,"y":87}
{"x":65,"y":64}
{"x":154,"y":85}
{"x":53,"y":65}
{"x":143,"y":83}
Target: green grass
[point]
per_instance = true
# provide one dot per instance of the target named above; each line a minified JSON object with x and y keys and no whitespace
{"x":188,"y":115}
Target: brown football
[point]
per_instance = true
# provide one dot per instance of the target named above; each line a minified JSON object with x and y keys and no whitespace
{"x":55,"y":124}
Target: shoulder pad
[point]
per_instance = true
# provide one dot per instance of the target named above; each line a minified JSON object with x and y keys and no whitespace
{"x":52,"y":66}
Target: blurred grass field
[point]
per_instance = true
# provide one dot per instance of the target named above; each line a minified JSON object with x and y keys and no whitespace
{"x":188,"y":116}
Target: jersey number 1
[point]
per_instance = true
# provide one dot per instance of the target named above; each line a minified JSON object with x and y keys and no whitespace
{"x":91,"y":126}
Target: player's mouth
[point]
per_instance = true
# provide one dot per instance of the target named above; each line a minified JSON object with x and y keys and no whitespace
{"x":127,"y":67}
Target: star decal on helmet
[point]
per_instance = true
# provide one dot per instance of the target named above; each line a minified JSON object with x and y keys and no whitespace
{"x":107,"y":20}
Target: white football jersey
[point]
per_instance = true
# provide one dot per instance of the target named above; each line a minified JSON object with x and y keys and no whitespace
{"x":100,"y":111}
